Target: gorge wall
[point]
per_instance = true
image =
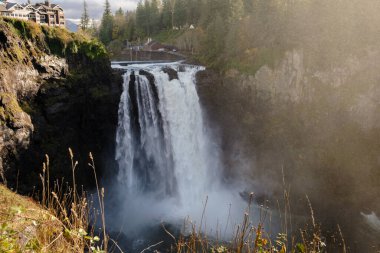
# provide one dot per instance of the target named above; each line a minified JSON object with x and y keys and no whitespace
{"x":57,"y":90}
{"x":318,"y":126}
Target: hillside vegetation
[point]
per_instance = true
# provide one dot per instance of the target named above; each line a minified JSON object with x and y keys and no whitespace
{"x":25,"y":226}
{"x":247,"y":34}
{"x":51,"y":40}
{"x":54,"y":86}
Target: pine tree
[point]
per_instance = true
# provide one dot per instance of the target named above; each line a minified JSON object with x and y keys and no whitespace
{"x":166,"y":16}
{"x":85,"y":19}
{"x":193,"y":11}
{"x":213,"y":45}
{"x":131,"y":26}
{"x":140,"y":18}
{"x":180,"y":17}
{"x":119,"y":25}
{"x":147,"y":19}
{"x":154,"y":16}
{"x":106,"y":27}
{"x":211,"y":7}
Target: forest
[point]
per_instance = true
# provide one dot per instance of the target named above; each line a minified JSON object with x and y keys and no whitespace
{"x":246,"y":34}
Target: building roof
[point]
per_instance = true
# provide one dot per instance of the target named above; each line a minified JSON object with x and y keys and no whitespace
{"x":28,"y":6}
{"x":10,"y":5}
{"x":39,"y":7}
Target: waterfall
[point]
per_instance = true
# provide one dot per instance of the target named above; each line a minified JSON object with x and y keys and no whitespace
{"x":162,"y":147}
{"x":168,"y":161}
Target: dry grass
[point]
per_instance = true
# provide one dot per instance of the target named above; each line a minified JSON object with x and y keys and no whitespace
{"x":27,"y":227}
{"x":60,"y":223}
{"x":254,"y":238}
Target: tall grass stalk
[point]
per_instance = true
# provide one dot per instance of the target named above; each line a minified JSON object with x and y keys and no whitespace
{"x":72,"y":209}
{"x":101,"y":202}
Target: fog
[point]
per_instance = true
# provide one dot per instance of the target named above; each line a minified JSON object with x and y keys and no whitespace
{"x":310,"y":116}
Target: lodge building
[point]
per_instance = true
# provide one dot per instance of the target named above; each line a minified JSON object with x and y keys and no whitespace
{"x":41,"y":13}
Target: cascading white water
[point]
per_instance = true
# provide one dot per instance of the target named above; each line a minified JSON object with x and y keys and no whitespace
{"x":162,"y":147}
{"x":168,"y":163}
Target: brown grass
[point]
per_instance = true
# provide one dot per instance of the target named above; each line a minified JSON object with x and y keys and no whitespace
{"x":253,"y":238}
{"x":60,"y":223}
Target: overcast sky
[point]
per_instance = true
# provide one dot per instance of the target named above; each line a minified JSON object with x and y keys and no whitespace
{"x":74,"y":8}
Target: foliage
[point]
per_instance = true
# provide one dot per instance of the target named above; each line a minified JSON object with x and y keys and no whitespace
{"x":93,"y":50}
{"x":85,"y":18}
{"x":250,"y":238}
{"x":56,"y":40}
{"x":25,"y":29}
{"x":59,"y":224}
{"x":27,"y":227}
{"x":9,"y":109}
{"x":106,"y":26}
{"x":251,"y":28}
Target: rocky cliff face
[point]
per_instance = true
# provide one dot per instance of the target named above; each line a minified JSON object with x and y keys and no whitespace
{"x":57,"y":90}
{"x":320,"y":125}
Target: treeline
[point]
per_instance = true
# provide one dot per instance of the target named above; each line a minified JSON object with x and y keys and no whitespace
{"x":247,"y":33}
{"x":154,"y":16}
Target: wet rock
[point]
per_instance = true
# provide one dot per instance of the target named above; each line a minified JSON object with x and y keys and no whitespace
{"x":171,"y":73}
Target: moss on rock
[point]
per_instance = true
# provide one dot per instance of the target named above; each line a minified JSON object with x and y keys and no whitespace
{"x":9,"y":109}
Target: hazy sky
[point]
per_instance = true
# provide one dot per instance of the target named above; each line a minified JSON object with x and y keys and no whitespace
{"x":73,"y":8}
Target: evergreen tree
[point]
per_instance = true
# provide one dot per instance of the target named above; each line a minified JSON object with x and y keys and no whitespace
{"x":193,"y":11}
{"x":119,"y":25}
{"x":106,"y":27}
{"x":213,"y":45}
{"x":147,"y":18}
{"x":85,"y":19}
{"x":131,"y":27}
{"x":166,"y":15}
{"x":180,"y":13}
{"x":211,"y":8}
{"x":140,"y":18}
{"x":154,"y":14}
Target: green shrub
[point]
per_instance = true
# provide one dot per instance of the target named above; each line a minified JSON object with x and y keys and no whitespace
{"x":19,"y":25}
{"x":93,"y":49}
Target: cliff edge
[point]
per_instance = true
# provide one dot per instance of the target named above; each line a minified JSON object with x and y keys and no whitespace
{"x":57,"y":90}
